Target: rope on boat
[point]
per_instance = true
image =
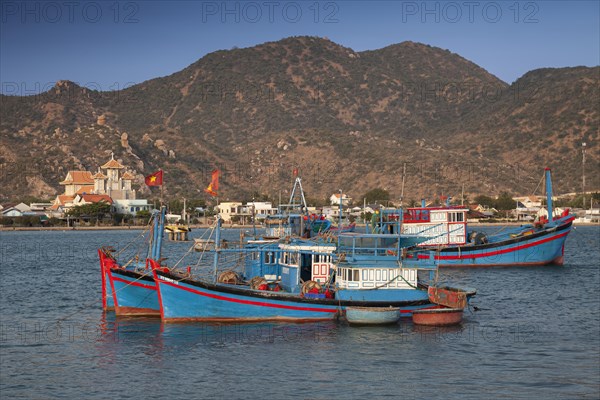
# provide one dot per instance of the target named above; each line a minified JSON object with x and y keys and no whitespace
{"x":133,"y":241}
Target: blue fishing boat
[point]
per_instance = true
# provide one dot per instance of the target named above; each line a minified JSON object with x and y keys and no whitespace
{"x":130,"y":288}
{"x":541,"y":243}
{"x":294,"y":220}
{"x":296,"y":280}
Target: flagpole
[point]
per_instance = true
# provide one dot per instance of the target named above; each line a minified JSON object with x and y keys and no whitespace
{"x":162,"y":184}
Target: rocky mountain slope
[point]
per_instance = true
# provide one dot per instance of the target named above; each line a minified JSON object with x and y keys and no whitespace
{"x":345,"y":119}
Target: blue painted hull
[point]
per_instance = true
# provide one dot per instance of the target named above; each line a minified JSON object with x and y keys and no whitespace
{"x":185,"y":300}
{"x":135,"y":294}
{"x":540,"y":248}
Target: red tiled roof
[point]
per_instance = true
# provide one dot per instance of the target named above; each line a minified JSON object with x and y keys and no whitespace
{"x":96,"y":198}
{"x":61,"y":200}
{"x":85,"y":189}
{"x":99,"y":175}
{"x":127,"y":176}
{"x":112,"y":164}
{"x":78,"y":178}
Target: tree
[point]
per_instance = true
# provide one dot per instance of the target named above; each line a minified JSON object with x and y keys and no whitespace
{"x":376,"y":194}
{"x":485,"y":200}
{"x":90,"y":210}
{"x":505,"y":202}
{"x":143,"y":215}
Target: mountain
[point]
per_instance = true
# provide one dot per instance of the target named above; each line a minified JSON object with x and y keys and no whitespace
{"x":346,"y":119}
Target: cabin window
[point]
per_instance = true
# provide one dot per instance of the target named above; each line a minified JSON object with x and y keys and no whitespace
{"x":384,"y":276}
{"x":365,"y":274}
{"x":255,"y":256}
{"x":286,"y":258}
{"x":269,"y":258}
{"x":455,"y":217}
{"x":293,"y":259}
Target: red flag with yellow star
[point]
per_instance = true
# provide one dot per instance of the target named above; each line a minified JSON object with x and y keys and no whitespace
{"x":155,"y":179}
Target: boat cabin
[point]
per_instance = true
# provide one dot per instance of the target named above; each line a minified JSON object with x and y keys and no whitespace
{"x":289,"y":264}
{"x":443,"y":226}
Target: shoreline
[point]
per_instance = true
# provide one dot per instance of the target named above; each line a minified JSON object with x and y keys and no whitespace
{"x":202,"y":226}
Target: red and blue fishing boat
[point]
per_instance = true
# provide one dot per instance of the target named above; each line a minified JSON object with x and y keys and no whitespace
{"x":296,"y":280}
{"x":541,"y":243}
{"x":130,"y":289}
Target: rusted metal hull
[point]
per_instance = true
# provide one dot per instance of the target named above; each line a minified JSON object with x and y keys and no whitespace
{"x":448,"y":297}
{"x":438,"y":316}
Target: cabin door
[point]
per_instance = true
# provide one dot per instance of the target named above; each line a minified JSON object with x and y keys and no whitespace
{"x":305,"y":267}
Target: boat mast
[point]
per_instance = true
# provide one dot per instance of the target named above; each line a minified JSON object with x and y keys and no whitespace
{"x":549,"y":194}
{"x":160,"y":232}
{"x":217,"y":246}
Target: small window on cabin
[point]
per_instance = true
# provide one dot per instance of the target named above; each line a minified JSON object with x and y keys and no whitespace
{"x":269,"y":258}
{"x":356,"y":275}
{"x":294,"y":259}
{"x":286,"y":258}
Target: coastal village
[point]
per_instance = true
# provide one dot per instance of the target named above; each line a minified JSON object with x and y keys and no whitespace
{"x":111,"y":187}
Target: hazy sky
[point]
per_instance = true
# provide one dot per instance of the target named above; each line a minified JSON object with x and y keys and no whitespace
{"x":109,"y":45}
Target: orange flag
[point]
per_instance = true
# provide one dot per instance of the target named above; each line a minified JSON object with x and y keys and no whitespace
{"x":155,"y":179}
{"x":213,"y":188}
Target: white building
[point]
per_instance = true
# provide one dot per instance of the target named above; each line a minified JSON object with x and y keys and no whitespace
{"x":261,"y":209}
{"x":16,"y":210}
{"x":114,"y":183}
{"x":335,"y":199}
{"x":228,"y":209}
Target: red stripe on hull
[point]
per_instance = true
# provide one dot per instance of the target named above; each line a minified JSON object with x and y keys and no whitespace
{"x":246,"y":320}
{"x":556,"y":261}
{"x":250,"y":302}
{"x":132,"y":283}
{"x":467,"y":255}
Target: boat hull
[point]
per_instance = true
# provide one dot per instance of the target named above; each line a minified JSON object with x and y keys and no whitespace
{"x":373,"y":315}
{"x":108,"y":303}
{"x":541,"y":248}
{"x":183,"y":300}
{"x":438,"y":316}
{"x":134,"y":294}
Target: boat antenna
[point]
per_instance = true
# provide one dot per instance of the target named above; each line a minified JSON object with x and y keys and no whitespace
{"x":403,"y":179}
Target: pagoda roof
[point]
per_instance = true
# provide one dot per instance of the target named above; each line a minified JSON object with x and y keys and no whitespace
{"x":85,"y":189}
{"x":99,"y":175}
{"x":112,"y":164}
{"x":127,"y":176}
{"x":78,"y":178}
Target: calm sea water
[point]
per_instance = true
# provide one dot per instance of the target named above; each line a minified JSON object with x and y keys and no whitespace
{"x":537,"y":334}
